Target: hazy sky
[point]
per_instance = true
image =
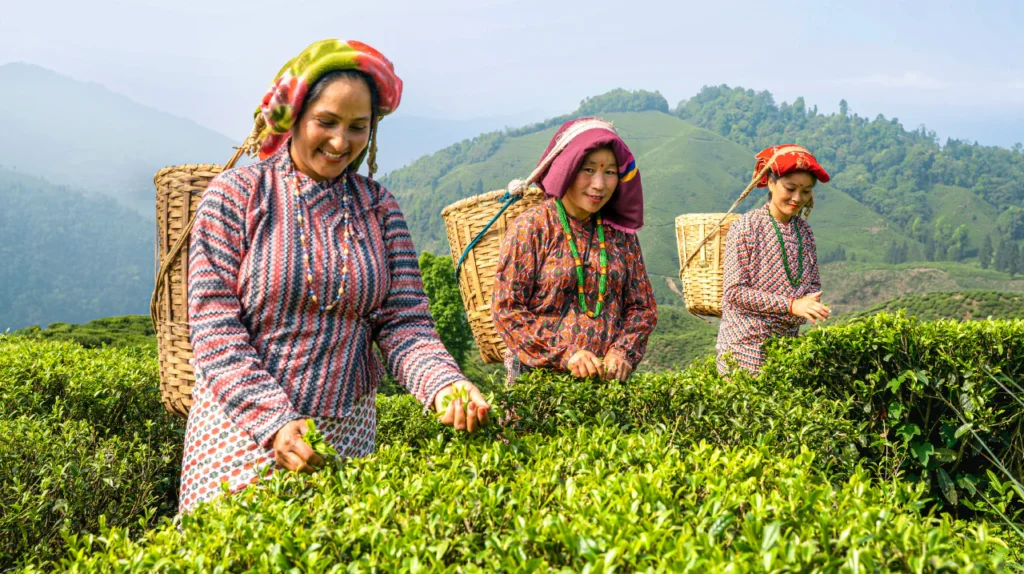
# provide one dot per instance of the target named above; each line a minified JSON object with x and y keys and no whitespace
{"x":957,"y":67}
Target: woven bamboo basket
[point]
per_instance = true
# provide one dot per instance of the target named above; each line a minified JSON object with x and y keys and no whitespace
{"x":178,"y":191}
{"x":702,"y":277}
{"x":464,"y":220}
{"x":700,"y":238}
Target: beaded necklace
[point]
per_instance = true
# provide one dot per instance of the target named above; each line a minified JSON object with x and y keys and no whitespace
{"x":602,"y":281}
{"x":306,"y":256}
{"x":785,"y":256}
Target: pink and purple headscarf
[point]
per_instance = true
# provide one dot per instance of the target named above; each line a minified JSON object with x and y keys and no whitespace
{"x":625,"y":210}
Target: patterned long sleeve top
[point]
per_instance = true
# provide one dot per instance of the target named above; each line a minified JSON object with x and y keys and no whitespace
{"x":264,"y":348}
{"x":757,"y":294}
{"x":536,"y":283}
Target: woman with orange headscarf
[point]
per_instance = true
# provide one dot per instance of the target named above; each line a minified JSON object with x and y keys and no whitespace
{"x":771,"y":283}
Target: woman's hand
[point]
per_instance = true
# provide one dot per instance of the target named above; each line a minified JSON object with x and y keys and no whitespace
{"x":462,"y":416}
{"x":811,"y":308}
{"x":616,"y":367}
{"x":291,"y":452}
{"x":585,"y":364}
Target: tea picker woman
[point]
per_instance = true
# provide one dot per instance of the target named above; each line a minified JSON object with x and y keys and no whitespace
{"x":297,"y":267}
{"x":571,"y":291}
{"x":771,"y":281}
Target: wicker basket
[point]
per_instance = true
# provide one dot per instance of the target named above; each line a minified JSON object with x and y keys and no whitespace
{"x":464,"y":220}
{"x":178,"y":191}
{"x":702,"y":277}
{"x":700,"y":238}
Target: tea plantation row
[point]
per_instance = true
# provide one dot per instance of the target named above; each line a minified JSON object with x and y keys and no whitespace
{"x":883,"y":444}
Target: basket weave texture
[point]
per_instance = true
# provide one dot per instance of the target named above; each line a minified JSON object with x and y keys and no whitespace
{"x":463,"y":221}
{"x":178,"y":191}
{"x":702,"y":278}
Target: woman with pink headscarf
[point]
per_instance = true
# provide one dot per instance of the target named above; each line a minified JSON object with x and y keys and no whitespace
{"x":571,"y":291}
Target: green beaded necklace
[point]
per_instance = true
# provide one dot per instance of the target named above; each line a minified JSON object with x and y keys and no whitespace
{"x":602,"y":282}
{"x":785,"y":256}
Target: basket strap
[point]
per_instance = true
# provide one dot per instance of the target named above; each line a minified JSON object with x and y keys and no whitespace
{"x":509,"y":198}
{"x":516,"y":188}
{"x":753,"y":183}
{"x":249,"y":145}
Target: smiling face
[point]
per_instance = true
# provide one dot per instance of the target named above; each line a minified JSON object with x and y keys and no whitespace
{"x":790,"y":193}
{"x":593,"y":185}
{"x":333,"y":129}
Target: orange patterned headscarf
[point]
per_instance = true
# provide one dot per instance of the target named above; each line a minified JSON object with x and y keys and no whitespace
{"x":788,"y":158}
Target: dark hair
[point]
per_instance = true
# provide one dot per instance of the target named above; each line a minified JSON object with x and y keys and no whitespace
{"x":775,"y":177}
{"x":319,"y":86}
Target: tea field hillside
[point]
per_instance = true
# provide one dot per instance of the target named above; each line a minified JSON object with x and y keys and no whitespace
{"x":679,"y":339}
{"x":686,"y":169}
{"x":855,"y":286}
{"x":961,"y":305}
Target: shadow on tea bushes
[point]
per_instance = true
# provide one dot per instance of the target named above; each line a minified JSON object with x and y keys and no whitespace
{"x":58,"y":476}
{"x":941,"y":402}
{"x":595,"y":498}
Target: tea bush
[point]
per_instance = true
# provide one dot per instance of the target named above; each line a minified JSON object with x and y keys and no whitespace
{"x":66,"y":475}
{"x":940,"y":401}
{"x":82,"y":435}
{"x":123,"y":331}
{"x":587,"y":499}
{"x":671,"y":471}
{"x":697,"y":403}
{"x":114,"y":389}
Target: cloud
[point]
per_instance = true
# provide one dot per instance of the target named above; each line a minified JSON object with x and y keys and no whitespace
{"x":911,"y":79}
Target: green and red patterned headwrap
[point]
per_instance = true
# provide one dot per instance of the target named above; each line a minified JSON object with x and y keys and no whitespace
{"x":282,"y":104}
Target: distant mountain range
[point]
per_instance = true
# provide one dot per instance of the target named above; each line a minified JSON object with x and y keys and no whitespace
{"x":68,"y":257}
{"x":77,"y":161}
{"x":85,"y":136}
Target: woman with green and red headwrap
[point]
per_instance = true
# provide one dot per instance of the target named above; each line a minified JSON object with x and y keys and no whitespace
{"x":571,"y":291}
{"x":298,"y":266}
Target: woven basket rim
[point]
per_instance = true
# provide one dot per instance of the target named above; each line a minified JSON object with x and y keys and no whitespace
{"x":487,"y":196}
{"x":187,"y":167}
{"x":720,"y":215}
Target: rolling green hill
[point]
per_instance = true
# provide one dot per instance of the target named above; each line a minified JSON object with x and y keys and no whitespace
{"x":850,"y":287}
{"x":962,"y":205}
{"x":970,"y":305}
{"x":106,"y":143}
{"x":124,"y":331}
{"x":685,"y":169}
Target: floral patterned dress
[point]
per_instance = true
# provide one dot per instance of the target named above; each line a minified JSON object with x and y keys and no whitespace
{"x":535,"y":305}
{"x":757,"y":293}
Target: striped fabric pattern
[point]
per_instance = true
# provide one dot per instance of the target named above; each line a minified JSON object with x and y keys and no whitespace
{"x":757,"y":294}
{"x":262,"y":346}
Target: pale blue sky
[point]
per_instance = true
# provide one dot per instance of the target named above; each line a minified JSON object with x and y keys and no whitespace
{"x":958,"y":67}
